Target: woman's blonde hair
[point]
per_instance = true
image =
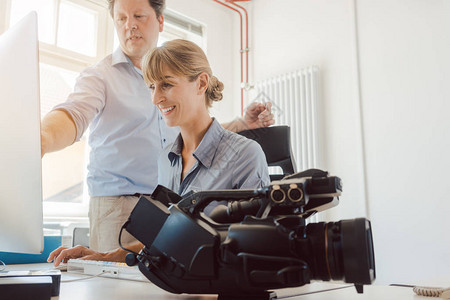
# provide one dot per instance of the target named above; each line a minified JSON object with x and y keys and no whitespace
{"x":183,"y":58}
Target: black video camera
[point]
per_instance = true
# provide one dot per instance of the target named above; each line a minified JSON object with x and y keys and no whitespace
{"x":258,"y":242}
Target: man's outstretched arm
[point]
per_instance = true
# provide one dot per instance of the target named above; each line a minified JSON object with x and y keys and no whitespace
{"x":58,"y":131}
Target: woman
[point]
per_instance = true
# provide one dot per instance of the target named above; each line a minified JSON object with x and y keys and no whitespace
{"x":204,"y":156}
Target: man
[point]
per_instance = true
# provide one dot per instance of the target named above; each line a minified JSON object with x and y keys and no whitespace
{"x":126,"y":131}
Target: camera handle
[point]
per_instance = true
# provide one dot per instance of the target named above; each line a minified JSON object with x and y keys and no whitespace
{"x":195,"y":202}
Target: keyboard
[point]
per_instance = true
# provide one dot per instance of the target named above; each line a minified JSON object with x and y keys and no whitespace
{"x":105,"y":269}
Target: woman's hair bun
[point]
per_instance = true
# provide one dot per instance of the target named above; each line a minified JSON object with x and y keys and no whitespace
{"x":215,"y":88}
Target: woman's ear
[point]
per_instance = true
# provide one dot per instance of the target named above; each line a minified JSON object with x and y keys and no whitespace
{"x":202,"y":82}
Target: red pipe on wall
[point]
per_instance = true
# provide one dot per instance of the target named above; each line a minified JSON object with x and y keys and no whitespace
{"x":243,"y":84}
{"x":246,"y":35}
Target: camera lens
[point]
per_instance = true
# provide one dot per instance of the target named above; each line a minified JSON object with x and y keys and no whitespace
{"x":342,"y":251}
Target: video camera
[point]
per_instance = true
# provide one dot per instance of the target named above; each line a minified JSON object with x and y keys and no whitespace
{"x":258,"y":242}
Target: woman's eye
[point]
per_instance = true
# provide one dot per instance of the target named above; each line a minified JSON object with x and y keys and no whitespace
{"x":166,"y":85}
{"x":152,"y":87}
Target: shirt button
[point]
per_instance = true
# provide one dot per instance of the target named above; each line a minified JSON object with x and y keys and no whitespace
{"x":164,"y":140}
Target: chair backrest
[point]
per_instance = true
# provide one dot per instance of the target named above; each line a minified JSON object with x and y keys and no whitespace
{"x":275,"y":141}
{"x":80,"y":236}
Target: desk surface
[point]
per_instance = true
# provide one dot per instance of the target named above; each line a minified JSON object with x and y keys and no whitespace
{"x":108,"y":288}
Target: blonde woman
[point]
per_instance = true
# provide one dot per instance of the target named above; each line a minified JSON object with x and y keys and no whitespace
{"x":204,"y":156}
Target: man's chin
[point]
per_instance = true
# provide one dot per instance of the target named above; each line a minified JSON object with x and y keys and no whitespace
{"x":136,"y":50}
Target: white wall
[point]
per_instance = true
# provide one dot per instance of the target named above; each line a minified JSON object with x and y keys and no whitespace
{"x":222,"y":49}
{"x":405,"y":76}
{"x":385,"y":132}
{"x":292,"y":34}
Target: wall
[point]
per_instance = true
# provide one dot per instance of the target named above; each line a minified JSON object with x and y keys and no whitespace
{"x":292,"y":34}
{"x":222,"y":49}
{"x":405,"y":75}
{"x":384,"y":126}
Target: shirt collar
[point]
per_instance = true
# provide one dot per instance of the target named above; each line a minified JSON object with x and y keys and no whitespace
{"x":207,"y":148}
{"x":119,"y":57}
{"x":175,"y":149}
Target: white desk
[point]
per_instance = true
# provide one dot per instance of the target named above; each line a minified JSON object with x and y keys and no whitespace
{"x":112,"y":289}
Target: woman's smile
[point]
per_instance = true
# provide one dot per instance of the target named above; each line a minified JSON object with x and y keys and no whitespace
{"x":166,"y":110}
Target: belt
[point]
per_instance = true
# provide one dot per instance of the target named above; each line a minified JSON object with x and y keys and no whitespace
{"x":137,"y":195}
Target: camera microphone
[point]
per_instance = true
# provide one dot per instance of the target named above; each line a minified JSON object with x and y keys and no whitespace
{"x":235,"y":211}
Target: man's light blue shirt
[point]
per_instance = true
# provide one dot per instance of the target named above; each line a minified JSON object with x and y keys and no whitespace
{"x":224,"y":160}
{"x":127,"y":132}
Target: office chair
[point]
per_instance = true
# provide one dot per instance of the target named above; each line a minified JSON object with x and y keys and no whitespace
{"x":275,"y":141}
{"x":80,"y":236}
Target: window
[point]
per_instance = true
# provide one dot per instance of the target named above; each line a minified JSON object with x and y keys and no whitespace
{"x":71,"y":32}
{"x":74,"y":34}
{"x":71,"y":37}
{"x":178,"y":26}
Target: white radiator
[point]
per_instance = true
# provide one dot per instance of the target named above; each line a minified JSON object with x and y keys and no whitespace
{"x":294,"y":97}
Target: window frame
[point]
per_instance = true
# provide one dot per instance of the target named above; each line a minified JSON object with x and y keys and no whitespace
{"x":64,"y":58}
{"x":54,"y":55}
{"x":185,"y":27}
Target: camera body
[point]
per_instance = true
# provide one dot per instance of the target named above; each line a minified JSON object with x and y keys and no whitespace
{"x":258,"y":242}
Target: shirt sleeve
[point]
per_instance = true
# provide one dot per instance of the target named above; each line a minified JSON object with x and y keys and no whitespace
{"x":251,"y":170}
{"x":86,"y":100}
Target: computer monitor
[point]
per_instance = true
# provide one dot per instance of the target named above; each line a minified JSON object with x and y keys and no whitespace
{"x":21,"y":219}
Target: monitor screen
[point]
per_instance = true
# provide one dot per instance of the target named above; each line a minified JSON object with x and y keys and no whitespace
{"x":21,"y":222}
